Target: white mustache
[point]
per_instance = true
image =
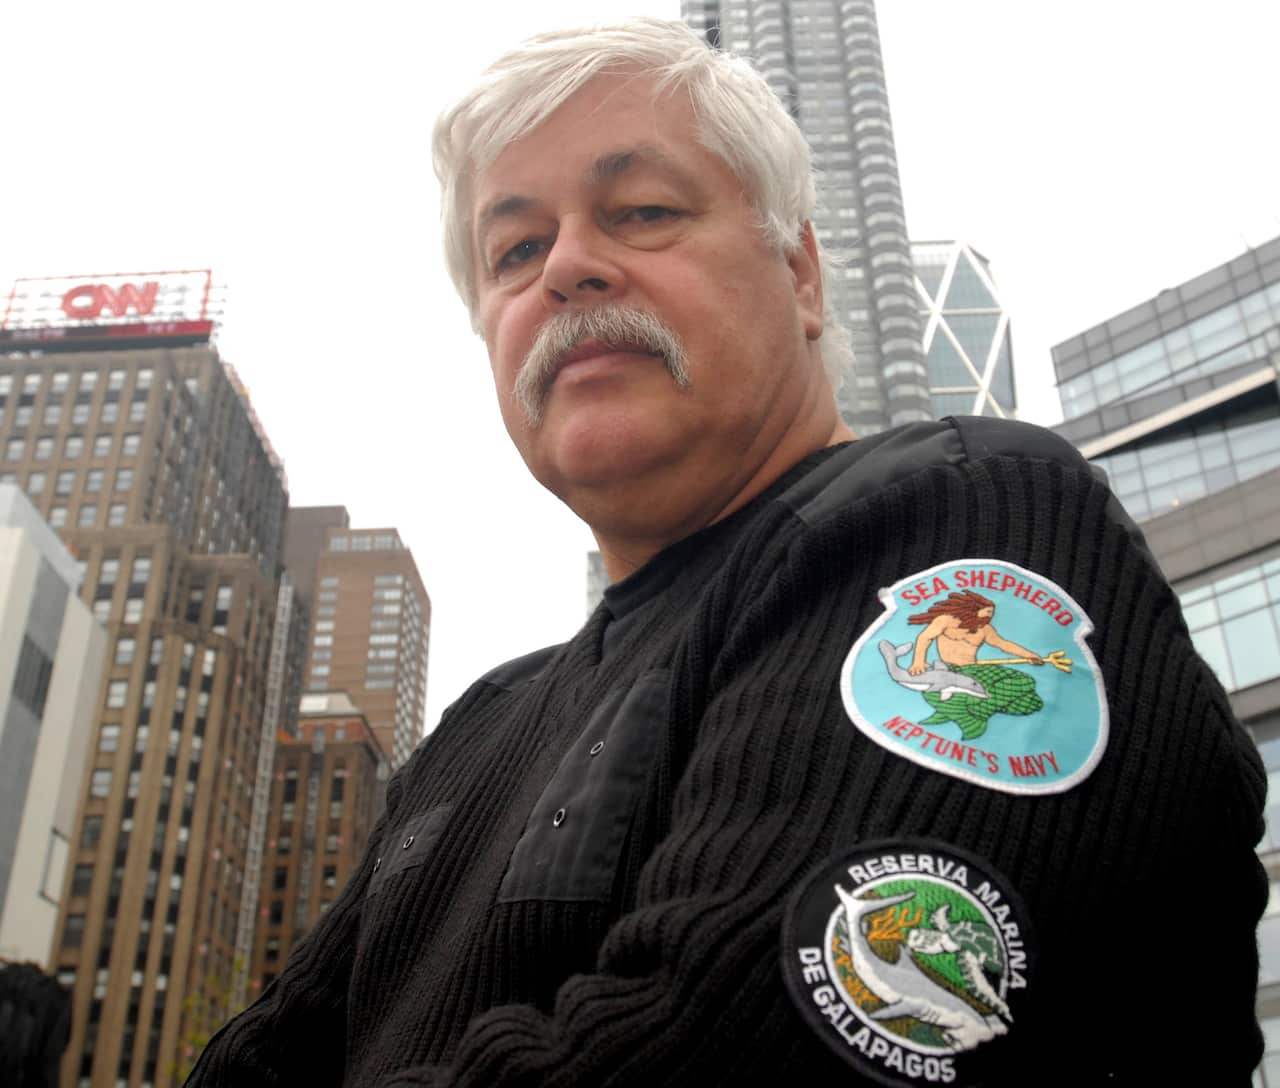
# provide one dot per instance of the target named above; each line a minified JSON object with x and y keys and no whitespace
{"x":613,"y":324}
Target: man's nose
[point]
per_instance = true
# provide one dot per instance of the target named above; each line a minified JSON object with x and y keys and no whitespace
{"x":580,"y":268}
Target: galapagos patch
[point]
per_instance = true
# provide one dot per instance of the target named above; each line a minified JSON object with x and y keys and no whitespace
{"x":979,"y":669}
{"x":911,"y":959}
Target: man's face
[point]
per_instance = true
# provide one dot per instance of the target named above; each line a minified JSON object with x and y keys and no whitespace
{"x":612,"y":203}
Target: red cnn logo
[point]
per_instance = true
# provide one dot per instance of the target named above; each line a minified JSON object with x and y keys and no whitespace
{"x":89,"y":300}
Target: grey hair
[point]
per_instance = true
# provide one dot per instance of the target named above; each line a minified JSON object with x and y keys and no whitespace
{"x":739,"y":119}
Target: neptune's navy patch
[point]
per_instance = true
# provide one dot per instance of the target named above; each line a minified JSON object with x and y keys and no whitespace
{"x":979,"y":669}
{"x":911,"y":960}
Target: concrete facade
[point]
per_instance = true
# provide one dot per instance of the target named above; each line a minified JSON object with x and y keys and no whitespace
{"x":51,"y":662}
{"x":1177,"y":400}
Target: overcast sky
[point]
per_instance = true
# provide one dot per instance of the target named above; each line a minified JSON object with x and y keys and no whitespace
{"x":1095,"y":153}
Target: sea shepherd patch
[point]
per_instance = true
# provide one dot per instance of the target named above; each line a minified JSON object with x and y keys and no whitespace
{"x":911,"y":960}
{"x":979,"y":669}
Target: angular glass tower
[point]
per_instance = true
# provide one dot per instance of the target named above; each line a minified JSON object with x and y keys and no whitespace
{"x":822,"y":58}
{"x":966,"y":332}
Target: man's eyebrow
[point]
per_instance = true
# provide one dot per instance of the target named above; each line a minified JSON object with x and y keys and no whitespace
{"x":608,"y":166}
{"x":500,"y":208}
{"x":615,"y":163}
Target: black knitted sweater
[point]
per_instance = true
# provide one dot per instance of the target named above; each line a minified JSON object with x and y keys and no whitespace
{"x":581,"y":875}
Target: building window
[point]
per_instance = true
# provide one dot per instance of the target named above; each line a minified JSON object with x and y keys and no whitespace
{"x":273,"y":949}
{"x":87,"y":516}
{"x":283,"y":844}
{"x":81,"y":879}
{"x":101,"y":608}
{"x":74,"y":446}
{"x":31,"y":678}
{"x":79,"y":414}
{"x":137,"y":411}
{"x":324,"y":626}
{"x":276,"y":914}
{"x":124,"y":479}
{"x":110,"y":412}
{"x":73,"y":932}
{"x":329,"y":582}
{"x":126,"y":647}
{"x":117,"y":693}
{"x":129,"y":447}
{"x":65,"y":483}
{"x":93,"y":481}
{"x":117,"y":514}
{"x":279,"y":878}
{"x":133,"y":610}
{"x":109,"y":737}
{"x":330,"y":876}
{"x":115,"y":379}
{"x":35,"y":483}
{"x":44,"y":448}
{"x":90,"y":832}
{"x":108,"y":571}
{"x":57,"y":516}
{"x":100,"y":782}
{"x":102,"y":445}
{"x":331,"y":843}
{"x":323,"y":640}
{"x":13,"y":449}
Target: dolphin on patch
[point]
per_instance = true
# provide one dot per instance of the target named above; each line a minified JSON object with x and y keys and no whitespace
{"x":944,"y":681}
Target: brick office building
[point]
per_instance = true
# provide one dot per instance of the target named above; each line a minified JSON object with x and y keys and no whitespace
{"x":135,"y":440}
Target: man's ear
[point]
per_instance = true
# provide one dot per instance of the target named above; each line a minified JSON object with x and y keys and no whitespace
{"x":806,"y":270}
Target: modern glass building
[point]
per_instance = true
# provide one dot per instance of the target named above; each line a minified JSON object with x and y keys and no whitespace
{"x":966,"y":332}
{"x":822,"y":58}
{"x":1177,"y":399}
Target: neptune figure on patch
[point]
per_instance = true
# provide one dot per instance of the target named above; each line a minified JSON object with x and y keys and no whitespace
{"x":958,"y":686}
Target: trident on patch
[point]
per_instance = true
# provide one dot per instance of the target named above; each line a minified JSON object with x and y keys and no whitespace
{"x":1058,"y":659}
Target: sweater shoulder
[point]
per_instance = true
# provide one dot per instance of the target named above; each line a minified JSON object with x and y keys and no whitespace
{"x":868,"y":465}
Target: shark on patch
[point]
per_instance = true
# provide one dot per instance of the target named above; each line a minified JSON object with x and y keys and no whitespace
{"x":981,"y":670}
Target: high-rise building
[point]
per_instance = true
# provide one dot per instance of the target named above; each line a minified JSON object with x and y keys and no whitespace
{"x":1177,"y":399}
{"x":597,"y":580}
{"x":137,"y":442}
{"x":324,"y":794}
{"x":370,"y":632}
{"x":823,"y":59}
{"x":51,"y":659}
{"x":966,"y":332}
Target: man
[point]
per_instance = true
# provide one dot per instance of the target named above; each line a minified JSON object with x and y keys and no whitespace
{"x":707,"y":841}
{"x":960,"y":625}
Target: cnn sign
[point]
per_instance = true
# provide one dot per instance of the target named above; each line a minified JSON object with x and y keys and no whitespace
{"x":116,"y":298}
{"x":89,"y":300}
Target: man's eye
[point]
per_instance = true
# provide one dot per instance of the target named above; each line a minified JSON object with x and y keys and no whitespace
{"x":519,"y":254}
{"x":649,"y":213}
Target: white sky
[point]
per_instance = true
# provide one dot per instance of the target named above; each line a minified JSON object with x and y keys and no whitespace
{"x":1095,"y":153}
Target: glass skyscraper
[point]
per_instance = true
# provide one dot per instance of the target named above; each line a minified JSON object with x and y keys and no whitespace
{"x":966,"y":332}
{"x":1177,"y":399}
{"x":822,"y":58}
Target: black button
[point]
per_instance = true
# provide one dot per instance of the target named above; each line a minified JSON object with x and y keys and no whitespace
{"x":407,"y":843}
{"x":558,"y":818}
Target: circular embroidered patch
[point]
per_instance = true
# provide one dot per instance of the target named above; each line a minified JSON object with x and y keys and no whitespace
{"x":979,"y":669}
{"x":910,"y":959}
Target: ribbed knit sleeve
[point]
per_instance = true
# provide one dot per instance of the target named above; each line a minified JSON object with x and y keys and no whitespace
{"x":1140,"y":881}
